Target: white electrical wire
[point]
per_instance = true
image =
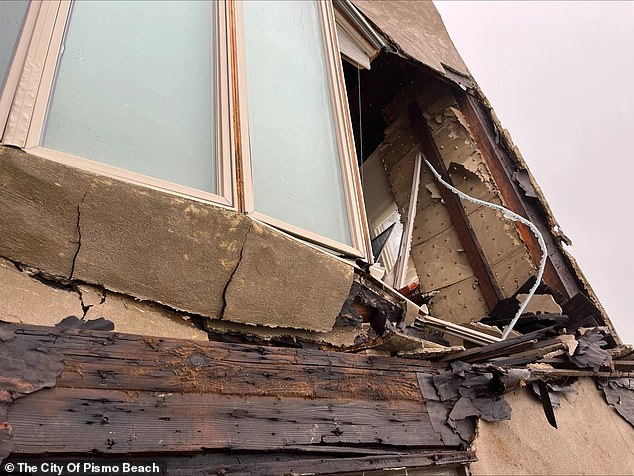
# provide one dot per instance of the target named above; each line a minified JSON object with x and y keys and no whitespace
{"x":509,"y":215}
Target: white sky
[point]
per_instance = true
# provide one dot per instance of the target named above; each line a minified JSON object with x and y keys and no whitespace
{"x":560,"y":75}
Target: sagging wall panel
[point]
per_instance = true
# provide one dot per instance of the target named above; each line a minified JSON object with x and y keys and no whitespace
{"x":78,"y":227}
{"x":437,"y":253}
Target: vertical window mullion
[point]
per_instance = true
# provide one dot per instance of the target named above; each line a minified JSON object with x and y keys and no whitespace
{"x":17,"y":28}
{"x":298,"y":221}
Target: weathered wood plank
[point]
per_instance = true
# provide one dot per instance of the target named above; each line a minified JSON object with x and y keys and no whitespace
{"x":139,"y":349}
{"x":254,"y":464}
{"x":63,"y":420}
{"x":229,"y":378}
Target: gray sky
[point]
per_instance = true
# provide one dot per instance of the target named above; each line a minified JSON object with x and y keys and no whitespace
{"x":560,"y":75}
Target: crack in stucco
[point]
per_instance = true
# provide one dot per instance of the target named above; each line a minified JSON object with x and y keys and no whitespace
{"x":72,"y":269}
{"x":233,"y":272}
{"x":84,"y":305}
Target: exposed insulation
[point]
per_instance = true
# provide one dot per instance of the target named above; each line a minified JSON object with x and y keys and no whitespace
{"x":437,"y":252}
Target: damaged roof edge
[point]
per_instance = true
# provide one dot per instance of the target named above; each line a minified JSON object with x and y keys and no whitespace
{"x":436,"y":51}
{"x":505,"y":140}
{"x":359,"y":21}
{"x":401,"y":23}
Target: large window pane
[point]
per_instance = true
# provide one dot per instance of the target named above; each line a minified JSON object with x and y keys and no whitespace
{"x":134,"y":89}
{"x":295,"y":159}
{"x":12,"y":13}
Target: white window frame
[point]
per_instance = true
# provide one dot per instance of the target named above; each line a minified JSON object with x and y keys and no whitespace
{"x":345,"y":143}
{"x":26,"y":97}
{"x":7,"y":92}
{"x":34,"y":93}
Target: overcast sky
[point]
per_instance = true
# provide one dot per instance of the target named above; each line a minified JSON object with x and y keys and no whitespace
{"x":560,"y":75}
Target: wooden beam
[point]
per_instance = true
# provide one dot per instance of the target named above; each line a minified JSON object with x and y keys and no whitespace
{"x":243,"y":464}
{"x":486,"y":279}
{"x":114,"y":421}
{"x":557,"y":274}
{"x":137,"y":395}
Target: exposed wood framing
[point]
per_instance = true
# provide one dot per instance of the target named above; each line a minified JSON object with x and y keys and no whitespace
{"x":486,"y":279}
{"x":557,"y":274}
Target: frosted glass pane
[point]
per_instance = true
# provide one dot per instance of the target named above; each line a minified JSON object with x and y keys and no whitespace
{"x":12,"y":13}
{"x":134,"y":89}
{"x":296,"y":165}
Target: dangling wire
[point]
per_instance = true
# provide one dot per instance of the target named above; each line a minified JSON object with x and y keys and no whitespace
{"x":509,"y":215}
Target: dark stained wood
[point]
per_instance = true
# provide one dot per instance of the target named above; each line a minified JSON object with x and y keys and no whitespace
{"x":356,"y":466}
{"x":140,"y":396}
{"x":624,"y":365}
{"x":557,"y":273}
{"x":112,"y":421}
{"x":125,"y":362}
{"x":583,"y":311}
{"x":151,"y":349}
{"x":484,"y":352}
{"x":486,"y":279}
{"x":253,"y":464}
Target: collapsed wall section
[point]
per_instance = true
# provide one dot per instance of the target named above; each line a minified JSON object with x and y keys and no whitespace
{"x":437,"y":251}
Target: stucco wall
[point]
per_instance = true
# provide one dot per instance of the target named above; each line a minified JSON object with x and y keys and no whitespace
{"x":76,"y":227}
{"x":591,"y":439}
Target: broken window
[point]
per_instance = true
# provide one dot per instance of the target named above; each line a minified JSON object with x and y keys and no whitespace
{"x":238,"y":103}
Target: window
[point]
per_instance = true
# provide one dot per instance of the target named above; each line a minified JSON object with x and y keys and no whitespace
{"x":13,"y":14}
{"x":133,"y":82}
{"x":239,"y":103}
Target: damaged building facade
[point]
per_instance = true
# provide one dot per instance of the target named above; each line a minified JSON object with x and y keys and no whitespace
{"x":224,"y":250}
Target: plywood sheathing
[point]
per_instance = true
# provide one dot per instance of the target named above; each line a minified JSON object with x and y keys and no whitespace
{"x":417,"y":30}
{"x":154,"y":246}
{"x":437,"y":253}
{"x":591,"y":438}
{"x":294,"y":277}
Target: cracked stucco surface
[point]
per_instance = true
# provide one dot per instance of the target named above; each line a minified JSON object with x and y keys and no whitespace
{"x":26,"y":300}
{"x":294,"y":276}
{"x":154,"y":246}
